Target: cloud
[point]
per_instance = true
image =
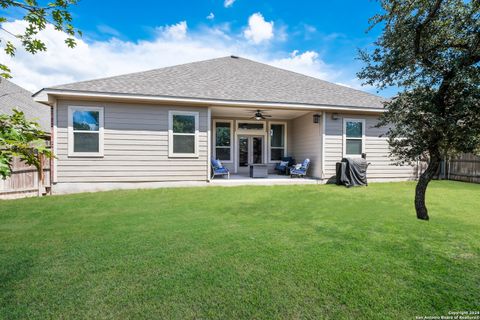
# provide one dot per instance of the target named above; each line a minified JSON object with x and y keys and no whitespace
{"x":258,"y":29}
{"x":176,"y":31}
{"x":309,"y":29}
{"x":308,"y":63}
{"x":171,"y":45}
{"x":333,"y":36}
{"x":108,"y":30}
{"x":211,"y":16}
{"x":228,"y":3}
{"x":281,"y":33}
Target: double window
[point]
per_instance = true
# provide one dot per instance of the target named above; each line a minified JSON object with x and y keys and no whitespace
{"x":85,"y":131}
{"x":353,"y":137}
{"x":183,"y":134}
{"x":278,"y":134}
{"x":223,"y":140}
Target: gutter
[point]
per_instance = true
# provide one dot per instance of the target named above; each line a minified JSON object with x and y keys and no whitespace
{"x":43,"y":95}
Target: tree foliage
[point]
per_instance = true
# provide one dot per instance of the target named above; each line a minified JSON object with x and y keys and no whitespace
{"x":431,"y":51}
{"x":21,"y":138}
{"x":37,"y":17}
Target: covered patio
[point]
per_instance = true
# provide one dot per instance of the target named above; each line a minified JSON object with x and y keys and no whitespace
{"x":242,"y":137}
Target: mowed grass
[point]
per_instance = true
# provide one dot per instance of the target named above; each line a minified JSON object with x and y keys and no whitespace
{"x":285,"y":252}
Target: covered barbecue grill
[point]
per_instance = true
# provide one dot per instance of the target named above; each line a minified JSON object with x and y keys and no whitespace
{"x":352,"y":172}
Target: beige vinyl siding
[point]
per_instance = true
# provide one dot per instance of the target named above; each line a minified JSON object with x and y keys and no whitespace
{"x":376,"y":148}
{"x":135,"y":146}
{"x":307,"y":143}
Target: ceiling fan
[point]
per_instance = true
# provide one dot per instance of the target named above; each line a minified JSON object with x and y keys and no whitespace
{"x":259,"y":115}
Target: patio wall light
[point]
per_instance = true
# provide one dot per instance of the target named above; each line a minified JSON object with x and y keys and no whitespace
{"x":316,"y":118}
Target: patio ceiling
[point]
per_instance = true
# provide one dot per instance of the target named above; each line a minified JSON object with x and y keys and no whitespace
{"x":229,"y":112}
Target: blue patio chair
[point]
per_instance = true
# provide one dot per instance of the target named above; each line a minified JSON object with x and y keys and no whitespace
{"x":283,"y":169}
{"x":302,"y":170}
{"x":218,"y":169}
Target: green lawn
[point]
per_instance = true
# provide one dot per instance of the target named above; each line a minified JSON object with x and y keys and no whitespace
{"x":242,"y":252}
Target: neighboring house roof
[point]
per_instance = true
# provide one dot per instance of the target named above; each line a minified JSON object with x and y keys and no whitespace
{"x":13,"y":96}
{"x":231,"y":79}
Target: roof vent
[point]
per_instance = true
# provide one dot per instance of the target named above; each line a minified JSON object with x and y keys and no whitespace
{"x":234,"y":57}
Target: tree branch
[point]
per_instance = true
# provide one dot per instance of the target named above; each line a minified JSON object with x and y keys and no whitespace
{"x":10,"y":33}
{"x":419,"y":30}
{"x":29,"y":7}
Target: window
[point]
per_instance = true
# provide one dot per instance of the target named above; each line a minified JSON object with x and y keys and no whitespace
{"x":183,"y":134}
{"x":354,"y":137}
{"x":85,"y":131}
{"x":277,"y":141}
{"x":250,"y":125}
{"x":223,"y":140}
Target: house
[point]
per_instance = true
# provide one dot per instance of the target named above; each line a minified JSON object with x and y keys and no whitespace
{"x":13,"y":96}
{"x":164,"y":125}
{"x":25,"y":180}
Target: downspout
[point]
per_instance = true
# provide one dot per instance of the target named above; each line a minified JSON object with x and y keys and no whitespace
{"x":53,"y":164}
{"x":52,"y":136}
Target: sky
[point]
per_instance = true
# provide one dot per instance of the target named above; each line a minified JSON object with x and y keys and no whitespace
{"x":318,"y":38}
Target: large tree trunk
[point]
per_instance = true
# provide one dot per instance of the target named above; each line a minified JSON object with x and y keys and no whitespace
{"x":421,"y":189}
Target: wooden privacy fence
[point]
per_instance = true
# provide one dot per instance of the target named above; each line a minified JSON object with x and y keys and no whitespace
{"x":465,"y":167}
{"x":25,"y":181}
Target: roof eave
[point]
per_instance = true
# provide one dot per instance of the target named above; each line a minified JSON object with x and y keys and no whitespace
{"x":45,"y":96}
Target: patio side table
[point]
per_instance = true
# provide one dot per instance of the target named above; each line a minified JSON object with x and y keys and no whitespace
{"x":258,"y":171}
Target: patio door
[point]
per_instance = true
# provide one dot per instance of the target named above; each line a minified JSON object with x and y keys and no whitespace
{"x":250,"y":151}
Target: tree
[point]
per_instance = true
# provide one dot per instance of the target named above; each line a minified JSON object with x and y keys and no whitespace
{"x":18,"y":136}
{"x":430,"y":50}
{"x":21,"y":138}
{"x":37,"y":17}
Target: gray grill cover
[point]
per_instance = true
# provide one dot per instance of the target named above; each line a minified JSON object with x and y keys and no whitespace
{"x":352,"y":172}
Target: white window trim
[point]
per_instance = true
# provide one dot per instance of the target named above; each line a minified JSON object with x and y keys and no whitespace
{"x":171,"y":154}
{"x":345,"y":120}
{"x":285,"y":135}
{"x":215,"y":139}
{"x":71,"y":152}
{"x":250,"y":131}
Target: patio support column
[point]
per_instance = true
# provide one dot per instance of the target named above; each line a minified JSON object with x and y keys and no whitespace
{"x":209,"y":143}
{"x":322,"y":156}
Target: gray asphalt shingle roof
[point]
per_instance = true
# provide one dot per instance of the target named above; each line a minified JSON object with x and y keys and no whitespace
{"x":14,"y":96}
{"x":231,"y":78}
